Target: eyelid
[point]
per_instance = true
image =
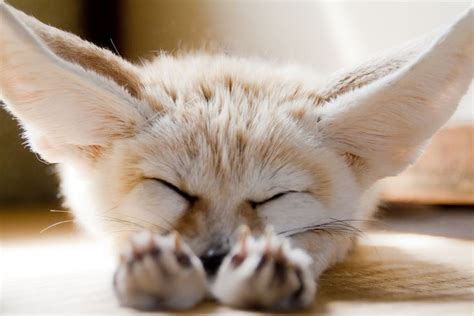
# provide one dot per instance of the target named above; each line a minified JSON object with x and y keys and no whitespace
{"x":254,"y":204}
{"x":190,"y":198}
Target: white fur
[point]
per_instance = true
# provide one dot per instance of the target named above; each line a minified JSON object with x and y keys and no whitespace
{"x":190,"y":141}
{"x":253,"y":283}
{"x":146,"y":279}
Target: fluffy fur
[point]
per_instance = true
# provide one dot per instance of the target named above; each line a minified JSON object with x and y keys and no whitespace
{"x":203,"y":144}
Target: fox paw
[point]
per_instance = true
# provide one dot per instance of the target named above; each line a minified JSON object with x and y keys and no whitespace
{"x":265,"y":273}
{"x":159,"y":272}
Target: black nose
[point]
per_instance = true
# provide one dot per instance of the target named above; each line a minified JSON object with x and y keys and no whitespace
{"x":212,"y":258}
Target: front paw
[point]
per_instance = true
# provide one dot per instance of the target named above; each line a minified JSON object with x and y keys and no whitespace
{"x":265,"y":273}
{"x":159,"y":272}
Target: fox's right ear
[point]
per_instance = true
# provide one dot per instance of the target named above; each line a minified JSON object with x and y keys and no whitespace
{"x":68,"y":95}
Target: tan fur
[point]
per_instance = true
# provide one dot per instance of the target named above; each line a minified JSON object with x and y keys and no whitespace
{"x":89,"y":56}
{"x":229,"y":131}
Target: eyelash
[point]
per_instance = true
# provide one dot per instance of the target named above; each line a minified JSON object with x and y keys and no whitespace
{"x":254,"y":204}
{"x":190,"y":198}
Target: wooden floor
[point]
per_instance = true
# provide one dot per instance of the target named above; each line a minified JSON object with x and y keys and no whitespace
{"x":418,"y":261}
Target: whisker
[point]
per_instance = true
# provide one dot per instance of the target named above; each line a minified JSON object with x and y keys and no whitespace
{"x":115,"y":47}
{"x":344,"y":223}
{"x":125,"y":221}
{"x":148,"y":223}
{"x":165,"y":220}
{"x":57,"y":224}
{"x":122,"y":221}
{"x":110,"y":209}
{"x":116,"y":232}
{"x":143,"y":226}
{"x":344,"y":230}
{"x":320,"y":230}
{"x":371,"y":220}
{"x":129,"y":221}
{"x":334,"y":225}
{"x":305,"y":228}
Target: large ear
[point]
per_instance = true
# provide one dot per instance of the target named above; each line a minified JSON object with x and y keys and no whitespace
{"x":64,"y":107}
{"x":72,"y":48}
{"x":380,"y":117}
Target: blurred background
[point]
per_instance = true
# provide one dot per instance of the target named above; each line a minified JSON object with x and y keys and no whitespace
{"x":325,"y":36}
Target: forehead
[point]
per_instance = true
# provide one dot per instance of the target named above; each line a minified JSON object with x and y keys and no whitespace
{"x":224,"y":147}
{"x":226,"y":122}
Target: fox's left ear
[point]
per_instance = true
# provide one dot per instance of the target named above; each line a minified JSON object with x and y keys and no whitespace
{"x":68,"y":95}
{"x":381,"y":126}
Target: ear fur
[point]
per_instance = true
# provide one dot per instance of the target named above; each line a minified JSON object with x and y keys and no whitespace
{"x":72,"y":48}
{"x":381,"y":126}
{"x":62,"y":106}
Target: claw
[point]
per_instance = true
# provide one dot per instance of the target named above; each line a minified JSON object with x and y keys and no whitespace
{"x":151,"y":242}
{"x":269,"y":232}
{"x":268,"y":235}
{"x":243,"y":236}
{"x":122,"y":257}
{"x":177,"y":242}
{"x":279,"y":253}
{"x":135,"y":250}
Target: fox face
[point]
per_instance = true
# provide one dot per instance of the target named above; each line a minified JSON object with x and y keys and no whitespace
{"x":202,"y":144}
{"x":213,"y":153}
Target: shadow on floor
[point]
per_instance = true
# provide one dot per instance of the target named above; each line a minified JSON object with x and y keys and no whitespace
{"x":433,"y":220}
{"x":389,"y":274}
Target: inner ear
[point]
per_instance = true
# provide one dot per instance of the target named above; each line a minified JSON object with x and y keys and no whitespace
{"x":76,"y":50}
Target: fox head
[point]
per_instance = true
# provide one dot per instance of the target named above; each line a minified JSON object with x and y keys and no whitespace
{"x":204,"y":143}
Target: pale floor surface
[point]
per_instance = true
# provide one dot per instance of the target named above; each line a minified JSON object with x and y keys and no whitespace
{"x":419,"y":261}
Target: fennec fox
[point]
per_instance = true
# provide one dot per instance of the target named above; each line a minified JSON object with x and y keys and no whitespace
{"x":232,"y":178}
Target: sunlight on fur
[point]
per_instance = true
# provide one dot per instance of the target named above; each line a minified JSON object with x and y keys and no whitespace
{"x":384,"y":266}
{"x":226,"y":175}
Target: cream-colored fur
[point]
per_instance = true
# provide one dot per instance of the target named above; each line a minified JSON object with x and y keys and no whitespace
{"x":229,"y":133}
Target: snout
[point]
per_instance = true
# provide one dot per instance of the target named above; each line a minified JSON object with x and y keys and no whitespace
{"x":212,"y":258}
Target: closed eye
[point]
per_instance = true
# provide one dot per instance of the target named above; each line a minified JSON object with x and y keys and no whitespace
{"x":255,"y":204}
{"x":189,"y":197}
